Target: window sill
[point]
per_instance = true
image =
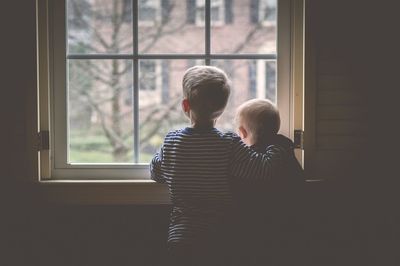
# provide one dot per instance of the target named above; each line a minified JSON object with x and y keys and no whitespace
{"x":103,"y":192}
{"x":110,"y":192}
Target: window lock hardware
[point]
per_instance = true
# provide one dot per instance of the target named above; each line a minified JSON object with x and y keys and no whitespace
{"x":43,"y":140}
{"x":299,"y":139}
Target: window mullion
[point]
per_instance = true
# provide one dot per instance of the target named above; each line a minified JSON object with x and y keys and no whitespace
{"x":208,"y":30}
{"x":135,"y":81}
{"x":172,"y":56}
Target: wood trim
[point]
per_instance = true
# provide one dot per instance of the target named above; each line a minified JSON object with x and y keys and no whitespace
{"x":310,"y":85}
{"x":298,"y":71}
{"x":144,"y":192}
{"x":110,"y":192}
{"x":43,"y":92}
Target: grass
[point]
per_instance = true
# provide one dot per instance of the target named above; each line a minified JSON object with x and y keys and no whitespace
{"x":93,"y":147}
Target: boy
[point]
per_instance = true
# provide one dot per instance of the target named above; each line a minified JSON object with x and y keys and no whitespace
{"x":266,"y":212}
{"x":196,"y":163}
{"x":258,"y":122}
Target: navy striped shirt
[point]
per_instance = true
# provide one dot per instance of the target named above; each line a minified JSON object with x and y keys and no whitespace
{"x":197,"y":164}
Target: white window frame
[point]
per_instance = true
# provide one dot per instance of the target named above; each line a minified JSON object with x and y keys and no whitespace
{"x":132,"y":184}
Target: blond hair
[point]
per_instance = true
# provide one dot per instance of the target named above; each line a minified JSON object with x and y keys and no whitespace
{"x":260,"y":117}
{"x":207,"y":89}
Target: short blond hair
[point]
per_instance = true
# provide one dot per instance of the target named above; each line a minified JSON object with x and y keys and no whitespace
{"x":207,"y":89}
{"x":260,"y":117}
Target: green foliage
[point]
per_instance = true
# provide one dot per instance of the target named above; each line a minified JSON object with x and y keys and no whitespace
{"x":91,"y":147}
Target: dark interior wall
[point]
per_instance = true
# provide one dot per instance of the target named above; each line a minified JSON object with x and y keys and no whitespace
{"x":334,"y":86}
{"x":345,"y":223}
{"x":353,"y":75}
{"x":86,"y":235}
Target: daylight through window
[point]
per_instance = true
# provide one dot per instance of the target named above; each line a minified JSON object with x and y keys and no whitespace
{"x":124,"y":62}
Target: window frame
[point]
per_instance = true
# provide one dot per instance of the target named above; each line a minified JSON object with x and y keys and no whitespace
{"x":101,"y":179}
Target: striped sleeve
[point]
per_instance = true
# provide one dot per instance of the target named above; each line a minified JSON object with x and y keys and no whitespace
{"x":155,"y":168}
{"x":249,"y":164}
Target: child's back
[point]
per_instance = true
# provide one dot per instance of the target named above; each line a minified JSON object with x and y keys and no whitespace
{"x":195,"y":166}
{"x":197,"y":162}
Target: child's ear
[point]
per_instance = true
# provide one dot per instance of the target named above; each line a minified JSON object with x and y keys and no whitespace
{"x":242,"y":132}
{"x":185,"y":105}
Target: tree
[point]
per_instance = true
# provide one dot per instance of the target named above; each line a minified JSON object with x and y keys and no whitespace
{"x":102,"y":89}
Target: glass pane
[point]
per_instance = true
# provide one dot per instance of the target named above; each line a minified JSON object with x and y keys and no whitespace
{"x":250,"y":79}
{"x":100,"y":113}
{"x":247,"y":27}
{"x":173,"y":26}
{"x":160,"y":96}
{"x":99,"y":26}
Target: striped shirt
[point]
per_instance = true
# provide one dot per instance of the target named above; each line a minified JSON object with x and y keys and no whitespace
{"x":197,"y":164}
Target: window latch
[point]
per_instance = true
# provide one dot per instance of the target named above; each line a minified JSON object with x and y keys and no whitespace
{"x":43,"y":140}
{"x":299,"y":139}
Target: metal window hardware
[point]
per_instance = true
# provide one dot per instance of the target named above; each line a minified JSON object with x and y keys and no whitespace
{"x":299,"y":139}
{"x":43,"y":141}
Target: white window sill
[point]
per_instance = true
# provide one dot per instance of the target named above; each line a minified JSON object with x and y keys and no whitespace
{"x":109,"y":192}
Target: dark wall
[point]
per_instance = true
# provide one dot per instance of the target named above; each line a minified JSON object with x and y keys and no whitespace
{"x":334,"y":88}
{"x":86,"y":235}
{"x":347,"y":224}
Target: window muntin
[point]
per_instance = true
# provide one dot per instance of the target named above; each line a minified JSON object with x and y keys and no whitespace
{"x":169,"y":68}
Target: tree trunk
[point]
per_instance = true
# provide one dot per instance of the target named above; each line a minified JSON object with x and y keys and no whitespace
{"x":119,"y":152}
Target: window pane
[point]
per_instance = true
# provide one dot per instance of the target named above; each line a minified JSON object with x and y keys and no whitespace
{"x":99,"y":26}
{"x":100,"y":112}
{"x":250,"y":79}
{"x":249,"y":27}
{"x":160,"y":108}
{"x":171,"y":26}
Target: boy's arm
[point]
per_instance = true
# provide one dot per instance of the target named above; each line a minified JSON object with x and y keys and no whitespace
{"x":249,"y":164}
{"x":155,"y":167}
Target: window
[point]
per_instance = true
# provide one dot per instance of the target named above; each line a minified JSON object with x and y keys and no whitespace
{"x":263,"y":12}
{"x":262,"y":80}
{"x":266,"y":80}
{"x":217,"y":12}
{"x":115,"y":79}
{"x":153,"y":82}
{"x":149,"y":12}
{"x":149,"y":76}
{"x":267,"y":12}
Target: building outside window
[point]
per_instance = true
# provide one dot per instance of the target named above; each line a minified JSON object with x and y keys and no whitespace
{"x":217,"y":12}
{"x":149,"y":12}
{"x":267,"y":12}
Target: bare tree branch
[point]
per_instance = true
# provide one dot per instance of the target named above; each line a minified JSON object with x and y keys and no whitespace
{"x":247,"y":39}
